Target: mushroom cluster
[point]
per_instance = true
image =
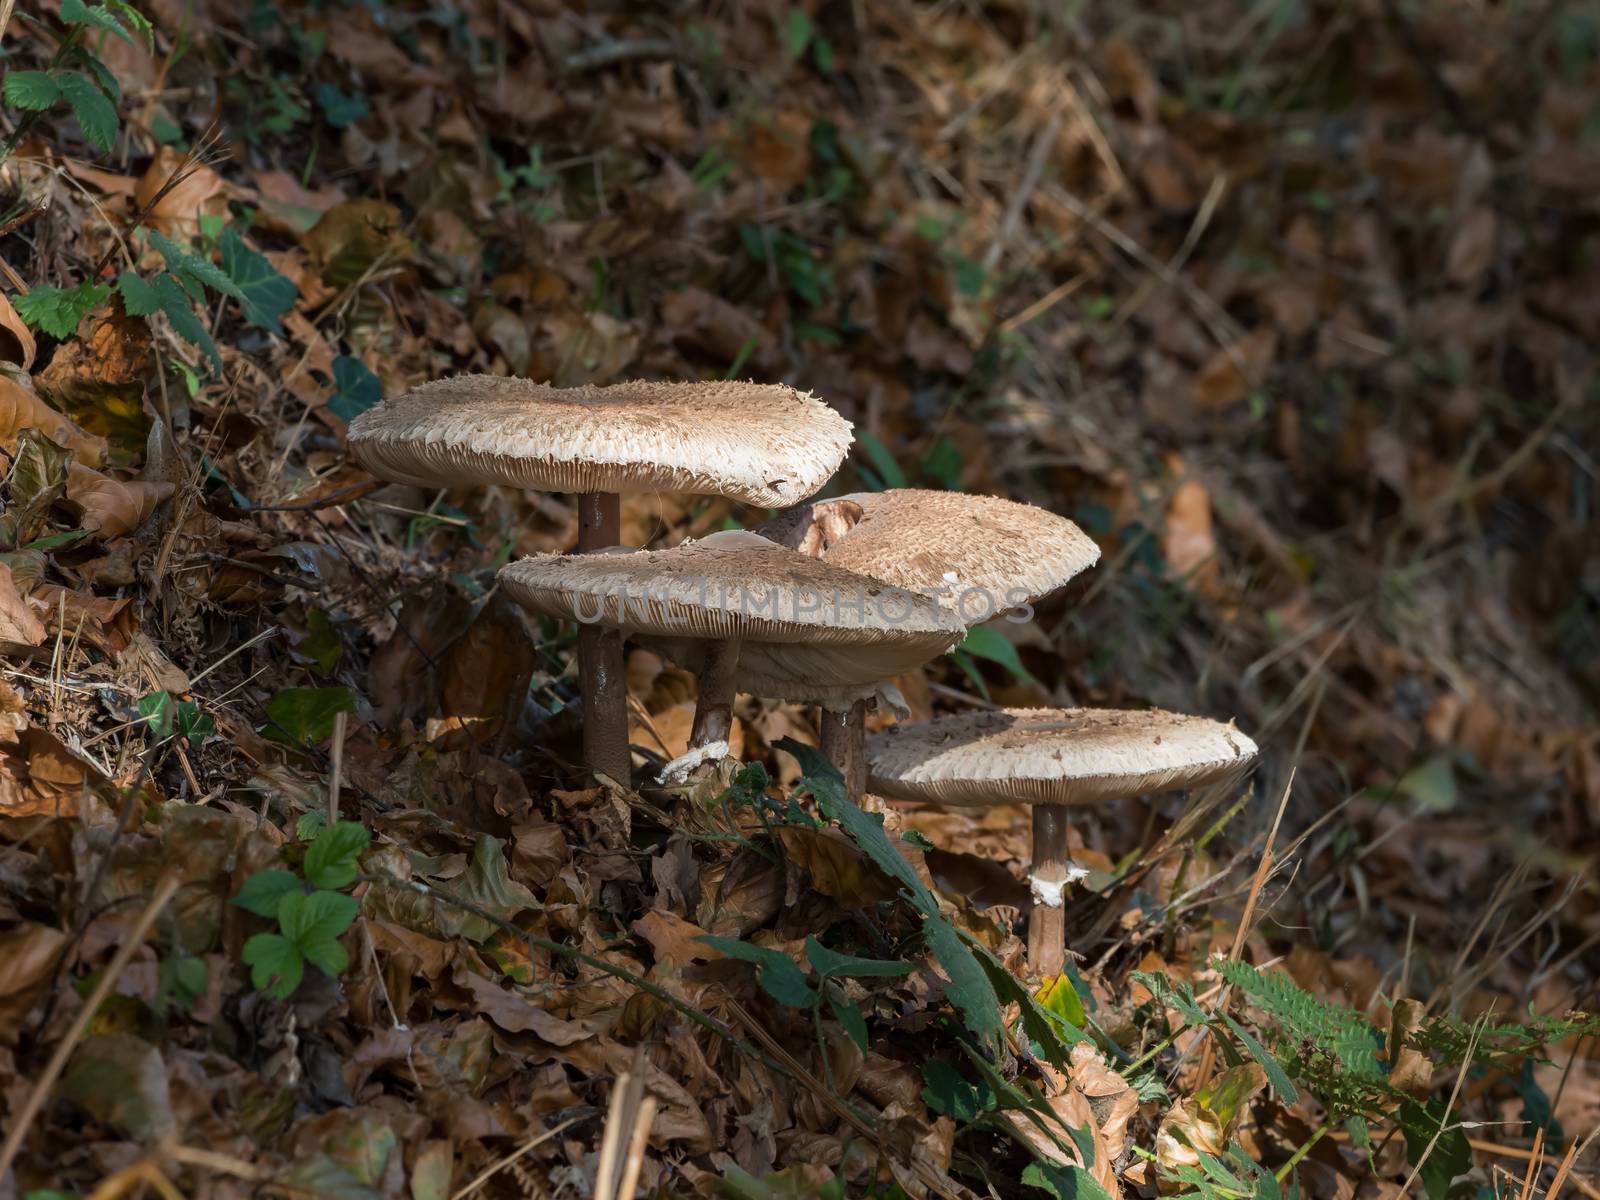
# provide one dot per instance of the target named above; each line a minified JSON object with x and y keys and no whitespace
{"x":824,"y":604}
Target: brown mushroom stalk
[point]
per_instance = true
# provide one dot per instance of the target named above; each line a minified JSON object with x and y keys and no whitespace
{"x":713,"y":709}
{"x":1052,"y":872}
{"x":602,"y":674}
{"x":844,"y":743}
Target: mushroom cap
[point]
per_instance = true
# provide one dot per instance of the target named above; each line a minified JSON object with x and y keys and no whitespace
{"x":1052,"y":756}
{"x":764,"y":444}
{"x":834,"y":677}
{"x":991,"y":554}
{"x":760,"y":593}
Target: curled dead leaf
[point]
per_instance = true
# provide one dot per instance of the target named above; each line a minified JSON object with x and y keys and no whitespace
{"x":110,"y":507}
{"x":21,"y":408}
{"x":199,"y":192}
{"x":18,"y":624}
{"x":16,"y":339}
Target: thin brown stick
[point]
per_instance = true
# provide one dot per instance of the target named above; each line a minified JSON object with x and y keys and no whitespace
{"x":641,"y":1137}
{"x":493,"y":1169}
{"x":23,"y":1121}
{"x":336,"y":768}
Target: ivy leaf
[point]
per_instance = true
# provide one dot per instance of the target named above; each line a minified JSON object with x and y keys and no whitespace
{"x":179,"y":310}
{"x":340,"y":110}
{"x":139,"y":299}
{"x":97,"y":116}
{"x":783,"y":980}
{"x":264,"y":294}
{"x":31,"y":91}
{"x":304,"y":716}
{"x":276,"y":964}
{"x":57,"y":311}
{"x":831,"y":962}
{"x":264,"y":891}
{"x":984,"y":641}
{"x":356,"y":388}
{"x":156,"y":711}
{"x":331,"y":861}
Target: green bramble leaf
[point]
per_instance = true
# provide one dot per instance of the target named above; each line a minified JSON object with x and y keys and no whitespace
{"x":264,"y":891}
{"x":31,"y":91}
{"x":276,"y":964}
{"x":331,"y":860}
{"x":1063,"y":1181}
{"x":783,"y":980}
{"x":97,"y":116}
{"x":139,"y":299}
{"x":321,"y":915}
{"x":264,"y":294}
{"x":76,"y":12}
{"x":948,"y":1092}
{"x":57,"y":311}
{"x":193,"y":271}
{"x":103,"y":76}
{"x":179,"y":309}
{"x":135,"y":20}
{"x":849,"y":1014}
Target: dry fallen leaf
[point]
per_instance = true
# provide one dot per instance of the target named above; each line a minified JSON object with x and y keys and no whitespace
{"x":110,"y":507}
{"x":21,"y":408}
{"x":199,"y":193}
{"x":1234,"y":371}
{"x":18,"y":623}
{"x":16,"y":339}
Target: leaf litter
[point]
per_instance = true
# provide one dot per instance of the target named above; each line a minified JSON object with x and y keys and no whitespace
{"x":1290,"y":308}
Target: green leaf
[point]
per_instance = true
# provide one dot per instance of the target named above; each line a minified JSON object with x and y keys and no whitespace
{"x":880,"y":458}
{"x":175,"y":303}
{"x":830,"y":962}
{"x":156,"y":711}
{"x":321,"y":915}
{"x":139,"y":299}
{"x":849,"y":1014}
{"x":783,"y":980}
{"x":57,"y":311}
{"x":183,"y":980}
{"x":1280,"y":1082}
{"x":304,"y":716}
{"x":948,"y":1092}
{"x":984,"y":641}
{"x":97,"y":116}
{"x":103,"y":77}
{"x":264,"y":891}
{"x":1451,"y":1155}
{"x":340,"y":110}
{"x":331,"y":861}
{"x":135,"y":20}
{"x":356,"y":389}
{"x":65,"y":538}
{"x":1060,"y":999}
{"x":191,"y":723}
{"x":1050,"y":1035}
{"x":796,"y":32}
{"x":969,"y":988}
{"x":321,"y":646}
{"x":191,"y":269}
{"x":76,"y":12}
{"x":31,"y":91}
{"x":1064,"y":1181}
{"x":264,"y":294}
{"x":276,"y":964}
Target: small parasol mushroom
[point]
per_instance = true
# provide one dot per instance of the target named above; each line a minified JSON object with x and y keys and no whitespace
{"x":1052,"y":759}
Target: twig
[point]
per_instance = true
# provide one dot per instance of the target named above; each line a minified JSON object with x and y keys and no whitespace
{"x":494,"y":1169}
{"x":1038,"y":156}
{"x":337,"y":766}
{"x":23,"y":1119}
{"x":1444,"y":1119}
{"x":606,"y":54}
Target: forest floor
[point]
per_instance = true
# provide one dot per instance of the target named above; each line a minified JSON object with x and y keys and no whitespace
{"x":1290,"y":304}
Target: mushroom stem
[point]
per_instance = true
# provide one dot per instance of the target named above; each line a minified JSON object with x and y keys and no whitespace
{"x":1047,"y":927}
{"x":713,"y":710}
{"x":601,"y":673}
{"x":844,"y":738}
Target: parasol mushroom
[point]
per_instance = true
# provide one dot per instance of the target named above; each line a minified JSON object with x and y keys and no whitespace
{"x":763,"y":444}
{"x":1052,"y":759}
{"x":733,"y":596}
{"x":979,"y":555}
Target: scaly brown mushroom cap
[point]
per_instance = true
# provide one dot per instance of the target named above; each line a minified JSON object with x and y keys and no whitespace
{"x":747,"y":589}
{"x":763,"y":444}
{"x":1007,"y":553}
{"x":1052,"y":756}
